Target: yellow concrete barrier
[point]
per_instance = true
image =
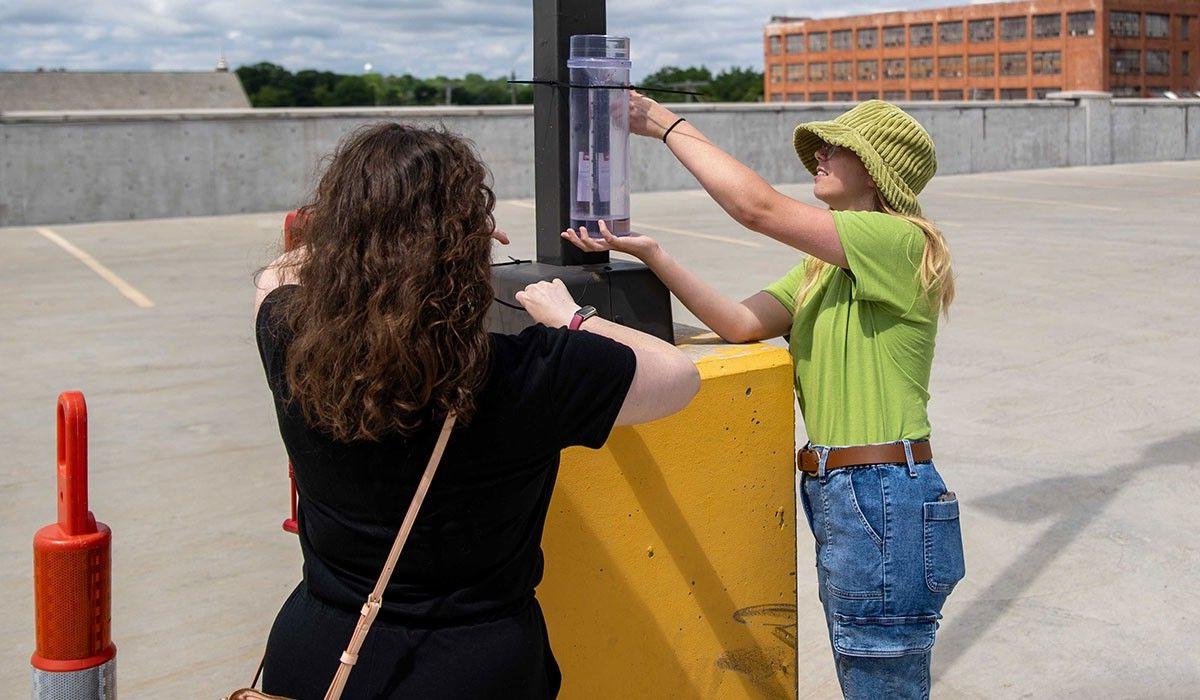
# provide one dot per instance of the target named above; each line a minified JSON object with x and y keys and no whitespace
{"x":670,"y":553}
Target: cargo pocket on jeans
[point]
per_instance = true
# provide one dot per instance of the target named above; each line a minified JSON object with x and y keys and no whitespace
{"x":944,"y":564}
{"x":883,"y":636}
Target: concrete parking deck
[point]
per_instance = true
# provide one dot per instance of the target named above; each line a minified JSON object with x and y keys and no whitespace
{"x":1065,"y":414}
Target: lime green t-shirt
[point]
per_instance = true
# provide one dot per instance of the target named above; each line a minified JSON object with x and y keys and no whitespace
{"x":862,"y":340}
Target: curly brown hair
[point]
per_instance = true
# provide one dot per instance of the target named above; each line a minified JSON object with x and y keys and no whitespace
{"x":395,"y":283}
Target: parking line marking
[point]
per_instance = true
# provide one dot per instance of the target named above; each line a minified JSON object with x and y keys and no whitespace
{"x":1024,"y":200}
{"x":664,"y":229}
{"x":1025,"y":181}
{"x":128,"y":290}
{"x":705,"y":236}
{"x":1157,"y":175}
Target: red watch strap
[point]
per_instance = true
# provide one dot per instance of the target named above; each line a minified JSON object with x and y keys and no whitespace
{"x":576,"y":322}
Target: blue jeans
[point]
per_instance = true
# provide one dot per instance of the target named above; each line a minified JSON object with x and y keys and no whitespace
{"x":889,"y":551}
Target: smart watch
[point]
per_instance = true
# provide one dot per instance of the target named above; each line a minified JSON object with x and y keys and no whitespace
{"x":580,"y":316}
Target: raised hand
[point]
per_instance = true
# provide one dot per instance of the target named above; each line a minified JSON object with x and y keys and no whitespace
{"x":647,"y":117}
{"x":637,"y":245}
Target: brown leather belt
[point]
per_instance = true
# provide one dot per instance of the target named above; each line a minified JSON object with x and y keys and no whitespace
{"x":809,"y":459}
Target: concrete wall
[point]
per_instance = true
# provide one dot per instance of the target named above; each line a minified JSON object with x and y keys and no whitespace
{"x":91,"y":166}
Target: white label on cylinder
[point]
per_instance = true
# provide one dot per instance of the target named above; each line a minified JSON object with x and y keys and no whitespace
{"x":604,"y":175}
{"x":583,"y":186}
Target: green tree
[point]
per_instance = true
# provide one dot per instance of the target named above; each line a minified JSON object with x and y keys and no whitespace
{"x":351,"y":91}
{"x":736,"y":85}
{"x":674,"y":78}
{"x":272,"y":96}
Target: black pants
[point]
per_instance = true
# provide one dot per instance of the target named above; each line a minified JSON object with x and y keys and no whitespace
{"x":505,"y":658}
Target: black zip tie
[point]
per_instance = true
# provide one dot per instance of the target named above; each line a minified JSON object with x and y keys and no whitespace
{"x":511,"y":261}
{"x":555,"y":83}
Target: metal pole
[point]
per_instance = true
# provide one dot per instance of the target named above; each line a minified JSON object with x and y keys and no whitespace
{"x":554,"y":22}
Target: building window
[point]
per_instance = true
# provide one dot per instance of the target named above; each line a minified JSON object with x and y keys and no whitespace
{"x":1125,"y":61}
{"x":1013,"y":28}
{"x":795,"y":43}
{"x":776,"y":74}
{"x":893,"y":69}
{"x":818,"y":42}
{"x":1158,"y":63}
{"x":920,"y":35}
{"x":777,"y":97}
{"x":1124,"y":24}
{"x":950,"y":32}
{"x":1040,"y":93}
{"x":1185,"y":63}
{"x":1047,"y":26}
{"x":818,"y":72}
{"x":774,"y":43}
{"x":983,"y":94}
{"x":983,"y":31}
{"x":818,"y":97}
{"x":950,"y":66}
{"x":1126,"y":91}
{"x":843,"y":96}
{"x":868,"y":70}
{"x":925,"y":95}
{"x":795,"y":73}
{"x":982,"y":66}
{"x":868,"y":38}
{"x":1047,"y":62}
{"x":795,"y":97}
{"x":864,"y":95}
{"x":1158,"y":91}
{"x":920,"y":68}
{"x":1014,"y":64}
{"x":1158,"y":26}
{"x":950,"y":95}
{"x":841,"y":40}
{"x":893,"y":37}
{"x":843,"y":71}
{"x":893,"y":95}
{"x":1185,"y":27}
{"x":1014,"y":94}
{"x":1081,"y":24}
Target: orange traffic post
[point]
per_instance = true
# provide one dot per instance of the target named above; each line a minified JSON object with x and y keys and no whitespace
{"x":289,"y":241}
{"x":75,"y":657}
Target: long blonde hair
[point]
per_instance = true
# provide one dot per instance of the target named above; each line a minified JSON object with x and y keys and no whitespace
{"x":936,"y":273}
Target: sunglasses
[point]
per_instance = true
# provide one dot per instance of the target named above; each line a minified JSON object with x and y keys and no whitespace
{"x":826,"y":151}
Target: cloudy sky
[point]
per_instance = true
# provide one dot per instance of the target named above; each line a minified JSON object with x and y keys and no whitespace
{"x":422,"y":37}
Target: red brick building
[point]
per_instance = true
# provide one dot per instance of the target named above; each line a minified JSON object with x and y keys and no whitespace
{"x":1007,"y":51}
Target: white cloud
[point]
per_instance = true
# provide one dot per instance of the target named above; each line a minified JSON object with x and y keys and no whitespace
{"x":423,"y":37}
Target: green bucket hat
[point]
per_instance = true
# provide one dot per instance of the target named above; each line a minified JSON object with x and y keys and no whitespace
{"x":897,"y":150}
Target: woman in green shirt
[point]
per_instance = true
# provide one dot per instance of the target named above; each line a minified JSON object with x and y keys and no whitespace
{"x":861,"y":316}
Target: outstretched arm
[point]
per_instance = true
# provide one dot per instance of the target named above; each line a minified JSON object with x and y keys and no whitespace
{"x":740,"y":191}
{"x":758,"y":317}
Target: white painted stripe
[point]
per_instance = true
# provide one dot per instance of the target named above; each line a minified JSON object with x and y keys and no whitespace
{"x":694,"y":234}
{"x":1034,"y":181}
{"x":1155,"y":175}
{"x":96,"y":266}
{"x":1052,"y":202}
{"x":663,"y":229}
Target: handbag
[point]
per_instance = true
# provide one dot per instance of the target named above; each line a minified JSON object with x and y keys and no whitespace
{"x":374,"y":601}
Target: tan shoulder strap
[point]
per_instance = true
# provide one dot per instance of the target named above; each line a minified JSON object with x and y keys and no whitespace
{"x":371,"y":608}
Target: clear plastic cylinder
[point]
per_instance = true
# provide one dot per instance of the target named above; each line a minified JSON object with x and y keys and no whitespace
{"x":599,"y":132}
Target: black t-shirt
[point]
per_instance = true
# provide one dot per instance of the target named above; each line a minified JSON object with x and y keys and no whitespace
{"x":474,"y":553}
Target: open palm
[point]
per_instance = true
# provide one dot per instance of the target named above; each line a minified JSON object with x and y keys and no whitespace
{"x":634,"y":244}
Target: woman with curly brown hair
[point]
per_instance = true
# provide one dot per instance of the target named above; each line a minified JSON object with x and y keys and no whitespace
{"x":371,"y":333}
